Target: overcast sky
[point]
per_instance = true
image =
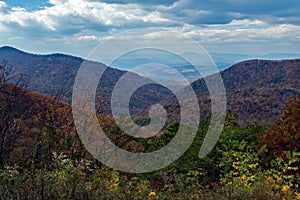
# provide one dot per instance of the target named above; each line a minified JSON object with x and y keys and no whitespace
{"x":221,"y":26}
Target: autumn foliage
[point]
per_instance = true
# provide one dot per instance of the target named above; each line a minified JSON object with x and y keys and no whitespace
{"x":284,"y":135}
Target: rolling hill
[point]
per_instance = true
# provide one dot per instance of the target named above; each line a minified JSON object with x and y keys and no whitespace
{"x":256,"y":89}
{"x":55,"y":75}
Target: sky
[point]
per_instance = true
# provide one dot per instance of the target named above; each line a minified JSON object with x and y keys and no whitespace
{"x":220,"y":26}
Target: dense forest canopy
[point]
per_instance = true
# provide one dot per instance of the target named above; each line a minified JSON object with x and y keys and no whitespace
{"x":42,"y":157}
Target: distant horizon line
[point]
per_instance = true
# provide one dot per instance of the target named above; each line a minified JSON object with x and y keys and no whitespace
{"x":255,"y":57}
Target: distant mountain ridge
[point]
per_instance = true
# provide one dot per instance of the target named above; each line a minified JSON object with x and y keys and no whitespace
{"x":54,"y":74}
{"x":256,"y":89}
{"x":48,"y":74}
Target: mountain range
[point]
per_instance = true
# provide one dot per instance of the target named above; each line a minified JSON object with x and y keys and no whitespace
{"x":255,"y":89}
{"x":55,"y":75}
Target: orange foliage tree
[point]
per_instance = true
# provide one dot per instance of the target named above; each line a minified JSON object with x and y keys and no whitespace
{"x":284,"y":135}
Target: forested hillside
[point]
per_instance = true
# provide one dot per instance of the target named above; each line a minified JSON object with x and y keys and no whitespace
{"x":42,"y":157}
{"x":257,"y":89}
{"x":55,"y":75}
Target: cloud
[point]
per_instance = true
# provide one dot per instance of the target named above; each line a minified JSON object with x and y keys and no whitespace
{"x":88,"y":38}
{"x":246,"y":22}
{"x":73,"y":16}
{"x":236,"y":31}
{"x":143,"y":2}
{"x":243,"y":31}
{"x":211,"y":22}
{"x":64,"y":14}
{"x":2,"y":4}
{"x":215,"y":11}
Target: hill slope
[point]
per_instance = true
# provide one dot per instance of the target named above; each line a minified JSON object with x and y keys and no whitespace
{"x":257,"y":89}
{"x":55,"y":75}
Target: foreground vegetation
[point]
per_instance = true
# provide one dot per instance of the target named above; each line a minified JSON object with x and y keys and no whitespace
{"x":247,"y":163}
